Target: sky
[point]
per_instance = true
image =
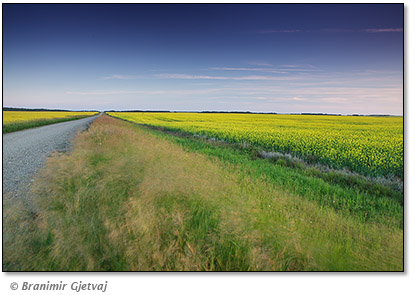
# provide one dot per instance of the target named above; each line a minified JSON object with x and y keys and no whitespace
{"x":293,"y":58}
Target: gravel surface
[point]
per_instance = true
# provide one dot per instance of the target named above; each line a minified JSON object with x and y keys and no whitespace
{"x":24,"y":152}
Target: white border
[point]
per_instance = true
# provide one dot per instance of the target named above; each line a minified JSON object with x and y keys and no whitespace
{"x":261,"y":283}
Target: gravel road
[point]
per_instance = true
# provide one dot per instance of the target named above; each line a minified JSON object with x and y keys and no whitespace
{"x":24,"y":152}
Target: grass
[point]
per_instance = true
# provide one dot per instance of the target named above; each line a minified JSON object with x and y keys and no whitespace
{"x":349,"y":194}
{"x":17,"y":126}
{"x":368,"y":145}
{"x":129,"y":198}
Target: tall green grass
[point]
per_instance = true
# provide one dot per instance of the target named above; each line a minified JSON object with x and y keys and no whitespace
{"x":350,"y":195}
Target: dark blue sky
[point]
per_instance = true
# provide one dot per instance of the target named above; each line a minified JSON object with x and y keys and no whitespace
{"x":276,"y":58}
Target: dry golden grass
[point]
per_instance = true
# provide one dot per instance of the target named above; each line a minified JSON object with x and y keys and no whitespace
{"x":124,"y":199}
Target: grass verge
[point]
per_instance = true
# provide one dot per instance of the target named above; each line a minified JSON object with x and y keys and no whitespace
{"x":125,"y":199}
{"x":352,"y":195}
{"x":12,"y":127}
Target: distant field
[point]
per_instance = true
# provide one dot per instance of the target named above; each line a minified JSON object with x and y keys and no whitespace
{"x":18,"y":120}
{"x":367,"y":145}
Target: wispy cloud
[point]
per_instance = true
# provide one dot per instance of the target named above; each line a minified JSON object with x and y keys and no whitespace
{"x":376,"y":72}
{"x":146,"y":92}
{"x":266,"y":70}
{"x":112,"y":92}
{"x":386,"y":30}
{"x":259,"y":63}
{"x":298,"y":70}
{"x":279,"y":31}
{"x":371,"y":30}
{"x":321,"y":92}
{"x":335,"y":30}
{"x":186,"y":76}
{"x":122,"y":77}
{"x":298,"y":66}
{"x":283,"y":70}
{"x":296,"y":98}
{"x":239,"y":78}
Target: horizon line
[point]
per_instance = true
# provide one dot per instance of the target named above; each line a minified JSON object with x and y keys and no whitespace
{"x":204,"y":111}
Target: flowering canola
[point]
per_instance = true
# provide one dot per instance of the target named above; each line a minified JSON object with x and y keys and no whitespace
{"x":368,"y":145}
{"x":23,"y":116}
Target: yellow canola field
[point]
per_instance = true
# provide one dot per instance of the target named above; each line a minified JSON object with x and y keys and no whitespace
{"x":368,"y":145}
{"x":24,"y":116}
